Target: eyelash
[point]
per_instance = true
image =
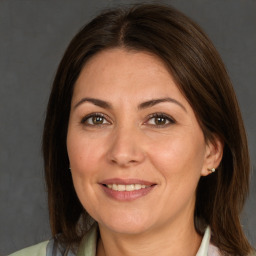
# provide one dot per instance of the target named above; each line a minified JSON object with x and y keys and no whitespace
{"x":168,"y":118}
{"x":163,"y":116}
{"x":95,"y":115}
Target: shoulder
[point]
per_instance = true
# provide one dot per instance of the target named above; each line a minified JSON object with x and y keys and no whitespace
{"x":35,"y":250}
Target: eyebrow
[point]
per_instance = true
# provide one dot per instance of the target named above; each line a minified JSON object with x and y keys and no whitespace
{"x":153,"y":102}
{"x":97,"y":102}
{"x":146,"y":104}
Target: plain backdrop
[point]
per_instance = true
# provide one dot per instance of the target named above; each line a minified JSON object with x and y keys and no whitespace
{"x":33,"y":37}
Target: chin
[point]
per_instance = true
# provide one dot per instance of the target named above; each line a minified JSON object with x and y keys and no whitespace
{"x":131,"y":224}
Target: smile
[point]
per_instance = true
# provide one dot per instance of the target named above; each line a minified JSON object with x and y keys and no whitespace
{"x":126,"y":190}
{"x":128,"y":187}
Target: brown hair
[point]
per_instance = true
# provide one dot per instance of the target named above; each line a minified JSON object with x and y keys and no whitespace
{"x":201,"y":76}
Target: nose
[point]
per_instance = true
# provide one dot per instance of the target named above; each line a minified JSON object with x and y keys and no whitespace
{"x":126,"y":148}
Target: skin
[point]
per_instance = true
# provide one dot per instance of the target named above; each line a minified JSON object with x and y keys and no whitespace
{"x":129,"y":143}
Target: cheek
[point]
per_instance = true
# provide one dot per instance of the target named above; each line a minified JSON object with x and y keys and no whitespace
{"x":179,"y":161}
{"x":180,"y":154}
{"x":84,"y":158}
{"x":82,"y":154}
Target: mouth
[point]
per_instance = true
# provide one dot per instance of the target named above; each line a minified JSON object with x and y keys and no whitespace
{"x":126,"y":190}
{"x":128,"y":187}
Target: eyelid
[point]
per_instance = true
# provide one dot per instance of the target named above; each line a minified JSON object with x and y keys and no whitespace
{"x":85,"y":118}
{"x":163,"y":115}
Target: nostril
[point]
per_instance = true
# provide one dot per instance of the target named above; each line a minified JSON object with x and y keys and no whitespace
{"x":123,"y":160}
{"x":113,"y":161}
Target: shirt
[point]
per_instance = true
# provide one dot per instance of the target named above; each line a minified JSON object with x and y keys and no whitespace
{"x":88,"y":246}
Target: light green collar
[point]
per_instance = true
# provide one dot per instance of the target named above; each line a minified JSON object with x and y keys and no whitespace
{"x":88,"y":245}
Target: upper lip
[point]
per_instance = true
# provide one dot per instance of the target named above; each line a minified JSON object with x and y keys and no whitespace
{"x":126,"y":181}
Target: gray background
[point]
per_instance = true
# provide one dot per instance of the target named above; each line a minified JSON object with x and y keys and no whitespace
{"x":33,"y":37}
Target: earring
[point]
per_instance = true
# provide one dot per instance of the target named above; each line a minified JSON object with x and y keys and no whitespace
{"x":69,"y":169}
{"x":211,"y":170}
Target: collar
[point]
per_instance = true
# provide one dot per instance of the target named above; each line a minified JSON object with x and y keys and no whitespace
{"x":203,"y":249}
{"x":88,"y":244}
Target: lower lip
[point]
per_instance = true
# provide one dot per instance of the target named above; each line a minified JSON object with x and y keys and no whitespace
{"x":127,"y":195}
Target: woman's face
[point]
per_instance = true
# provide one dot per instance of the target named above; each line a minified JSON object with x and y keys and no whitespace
{"x":135,"y":147}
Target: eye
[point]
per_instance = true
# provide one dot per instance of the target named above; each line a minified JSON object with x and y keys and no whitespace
{"x":160,"y":120}
{"x":95,"y":119}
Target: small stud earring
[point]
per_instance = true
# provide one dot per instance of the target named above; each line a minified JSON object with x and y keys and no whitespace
{"x":211,"y":170}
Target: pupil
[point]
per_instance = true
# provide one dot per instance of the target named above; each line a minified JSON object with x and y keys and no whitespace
{"x":97,"y":120}
{"x":160,"y":120}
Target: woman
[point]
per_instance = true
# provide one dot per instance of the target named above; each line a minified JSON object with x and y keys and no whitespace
{"x":144,"y":145}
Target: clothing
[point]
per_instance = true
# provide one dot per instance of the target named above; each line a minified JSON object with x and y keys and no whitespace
{"x":88,"y":247}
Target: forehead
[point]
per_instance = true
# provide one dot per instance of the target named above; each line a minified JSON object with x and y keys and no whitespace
{"x":123,"y":56}
{"x":119,"y":69}
{"x":127,"y":63}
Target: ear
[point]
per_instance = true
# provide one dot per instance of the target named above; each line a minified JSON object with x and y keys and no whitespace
{"x":213,"y":155}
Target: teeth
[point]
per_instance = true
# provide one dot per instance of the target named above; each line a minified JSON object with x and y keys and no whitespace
{"x":121,"y":187}
{"x":137,"y":186}
{"x":130,"y":187}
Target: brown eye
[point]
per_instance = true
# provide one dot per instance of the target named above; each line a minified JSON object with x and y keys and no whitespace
{"x":95,"y":120}
{"x":160,"y":120}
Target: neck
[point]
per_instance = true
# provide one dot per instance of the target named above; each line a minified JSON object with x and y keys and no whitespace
{"x":181,"y":240}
